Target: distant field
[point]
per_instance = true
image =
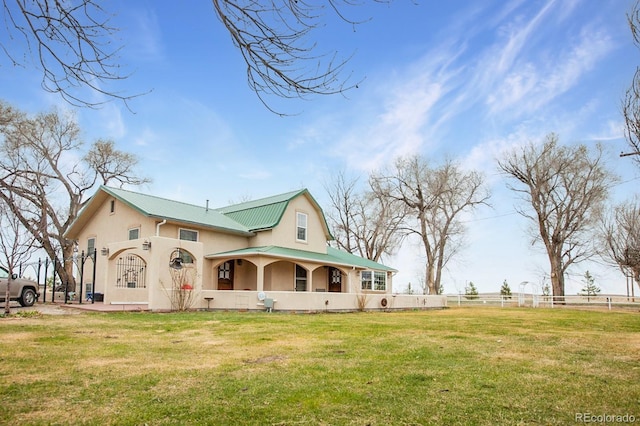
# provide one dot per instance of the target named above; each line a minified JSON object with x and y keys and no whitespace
{"x":473,"y":365}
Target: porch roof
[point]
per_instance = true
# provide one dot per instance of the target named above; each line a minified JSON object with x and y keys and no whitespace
{"x":332,"y":257}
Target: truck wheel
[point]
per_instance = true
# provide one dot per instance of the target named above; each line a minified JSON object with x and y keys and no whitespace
{"x":28,"y":297}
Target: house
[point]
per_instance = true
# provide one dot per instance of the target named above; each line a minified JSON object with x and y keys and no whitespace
{"x":262,"y":254}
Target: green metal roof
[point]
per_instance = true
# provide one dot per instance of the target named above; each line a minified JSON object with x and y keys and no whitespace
{"x":275,"y":199}
{"x":333,"y":256}
{"x":264,"y":213}
{"x":175,"y":210}
{"x":245,"y":218}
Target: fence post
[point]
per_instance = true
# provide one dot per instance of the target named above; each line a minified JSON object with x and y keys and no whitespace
{"x":55,"y":267}
{"x":38,"y":273}
{"x":82,"y":260}
{"x":46,"y":270}
{"x":93,"y":285}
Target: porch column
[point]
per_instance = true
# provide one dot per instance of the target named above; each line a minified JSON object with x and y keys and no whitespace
{"x":351,"y":277}
{"x":309,"y":280}
{"x":260,"y":277}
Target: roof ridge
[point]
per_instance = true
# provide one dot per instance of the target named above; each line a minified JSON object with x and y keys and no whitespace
{"x":157,"y":197}
{"x":252,"y":204}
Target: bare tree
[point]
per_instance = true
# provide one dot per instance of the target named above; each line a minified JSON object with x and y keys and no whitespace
{"x":620,"y":238}
{"x":73,"y":44}
{"x":367,"y":223}
{"x":564,"y":189}
{"x":272,"y":37}
{"x":631,"y":102}
{"x":16,"y":246}
{"x":435,"y":198}
{"x":182,"y":293}
{"x":342,"y":214}
{"x":44,"y":179}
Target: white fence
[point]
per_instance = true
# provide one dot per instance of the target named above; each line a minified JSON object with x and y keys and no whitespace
{"x":540,"y":301}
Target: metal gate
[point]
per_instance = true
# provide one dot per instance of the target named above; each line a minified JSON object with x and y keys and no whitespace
{"x":131,"y":272}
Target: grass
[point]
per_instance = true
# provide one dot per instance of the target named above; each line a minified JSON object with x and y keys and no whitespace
{"x":480,"y":366}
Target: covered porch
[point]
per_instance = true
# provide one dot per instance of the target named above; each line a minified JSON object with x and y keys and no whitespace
{"x":280,"y":269}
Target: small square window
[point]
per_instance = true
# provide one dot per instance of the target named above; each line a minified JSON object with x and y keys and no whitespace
{"x":91,"y":245}
{"x":134,"y":233}
{"x":188,"y":235}
{"x":224,"y":271}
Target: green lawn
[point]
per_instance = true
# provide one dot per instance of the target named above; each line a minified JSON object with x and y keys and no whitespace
{"x":483,"y":366}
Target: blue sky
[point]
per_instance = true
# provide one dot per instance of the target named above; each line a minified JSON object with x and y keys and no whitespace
{"x":464,"y":79}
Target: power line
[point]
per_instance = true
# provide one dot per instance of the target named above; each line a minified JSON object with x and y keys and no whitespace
{"x":490,"y":217}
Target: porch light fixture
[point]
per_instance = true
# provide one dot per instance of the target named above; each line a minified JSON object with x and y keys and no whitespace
{"x":146,"y":245}
{"x":104,"y":251}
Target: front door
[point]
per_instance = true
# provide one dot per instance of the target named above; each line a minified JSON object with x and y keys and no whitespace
{"x":335,"y":280}
{"x":225,"y":276}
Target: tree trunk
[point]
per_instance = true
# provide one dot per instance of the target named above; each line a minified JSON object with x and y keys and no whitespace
{"x":430,"y":275}
{"x":65,"y":270}
{"x":7,"y":301}
{"x":440,"y":267}
{"x":557,"y":278}
{"x":64,"y":265}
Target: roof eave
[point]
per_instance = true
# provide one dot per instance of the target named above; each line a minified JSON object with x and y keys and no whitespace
{"x":278,"y":256}
{"x":205,"y":226}
{"x":79,"y":220}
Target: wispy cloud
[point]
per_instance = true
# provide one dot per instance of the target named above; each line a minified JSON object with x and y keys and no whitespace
{"x":403,"y":115}
{"x":533,"y":83}
{"x":144,"y":34}
{"x":515,"y":81}
{"x":611,"y":130}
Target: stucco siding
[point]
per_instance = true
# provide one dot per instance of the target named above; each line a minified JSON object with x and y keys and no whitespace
{"x":280,"y":276}
{"x":320,"y":302}
{"x":107,"y":228}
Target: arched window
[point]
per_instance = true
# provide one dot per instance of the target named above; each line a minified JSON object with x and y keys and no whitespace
{"x":181,"y":257}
